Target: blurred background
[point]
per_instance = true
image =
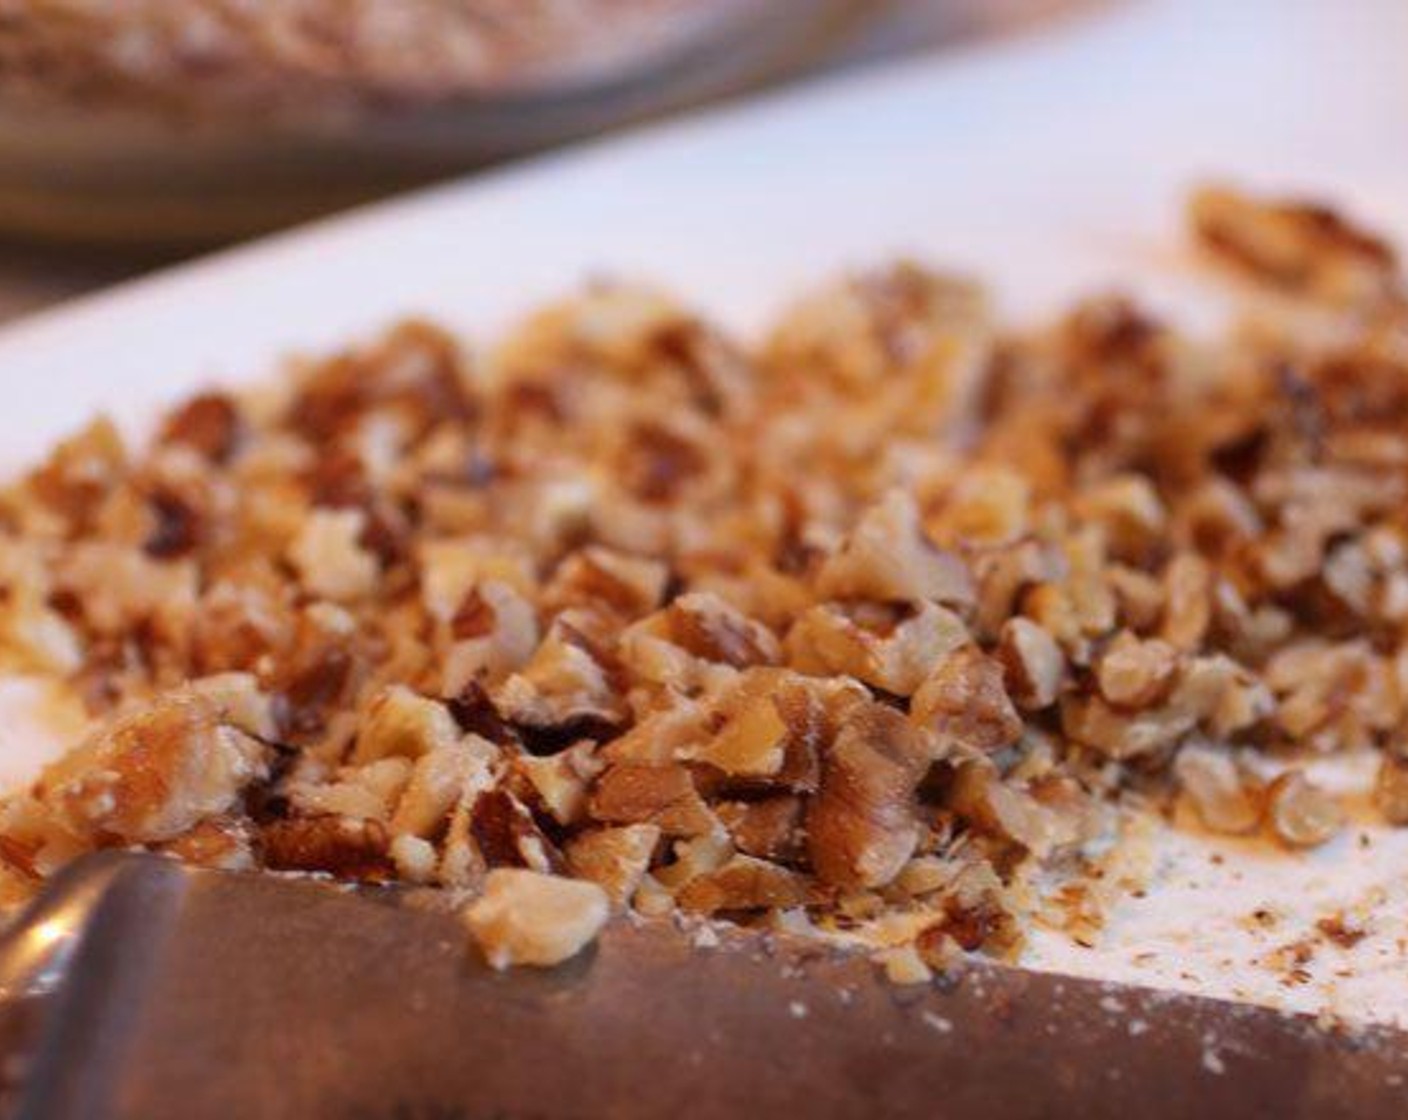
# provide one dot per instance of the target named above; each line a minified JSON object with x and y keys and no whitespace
{"x":136,"y":133}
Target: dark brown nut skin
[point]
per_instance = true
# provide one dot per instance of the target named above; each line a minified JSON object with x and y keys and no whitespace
{"x":349,"y":849}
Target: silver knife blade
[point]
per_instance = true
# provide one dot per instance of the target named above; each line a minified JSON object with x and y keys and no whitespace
{"x":152,"y":990}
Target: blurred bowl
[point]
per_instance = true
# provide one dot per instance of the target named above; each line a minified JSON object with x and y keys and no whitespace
{"x":132,"y":139}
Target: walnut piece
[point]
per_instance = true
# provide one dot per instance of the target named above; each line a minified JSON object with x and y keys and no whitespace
{"x":1391,"y":789}
{"x":964,"y":700}
{"x":1301,"y":814}
{"x":1216,"y":790}
{"x":154,"y":774}
{"x":616,"y":859}
{"x":527,"y":918}
{"x":861,"y":825}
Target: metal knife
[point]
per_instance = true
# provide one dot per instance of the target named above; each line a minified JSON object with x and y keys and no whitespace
{"x":138,"y":988}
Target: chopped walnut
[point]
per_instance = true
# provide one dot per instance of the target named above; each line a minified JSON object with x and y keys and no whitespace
{"x":527,"y":918}
{"x":439,"y":780}
{"x":884,"y":647}
{"x":415,"y":859}
{"x":770,"y":828}
{"x":1216,"y":790}
{"x":764,"y":729}
{"x":155,"y":773}
{"x":1302,"y":247}
{"x":614,"y":858}
{"x":745,"y":883}
{"x":561,"y":781}
{"x":1136,"y":674}
{"x":709,"y":628}
{"x":665,"y":796}
{"x":343,"y":846}
{"x":888,"y":558}
{"x":224,"y":843}
{"x":1003,"y":811}
{"x":964,"y":700}
{"x":867,"y":632}
{"x":1032,"y":663}
{"x":1391,"y":789}
{"x":329,"y":557}
{"x":629,"y":585}
{"x":494,"y":631}
{"x":364,"y":792}
{"x":403,"y":723}
{"x":563,"y":682}
{"x":508,"y":835}
{"x":1301,"y":814}
{"x":861,"y":825}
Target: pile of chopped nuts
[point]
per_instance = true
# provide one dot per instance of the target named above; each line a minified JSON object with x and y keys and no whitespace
{"x":858,"y":633}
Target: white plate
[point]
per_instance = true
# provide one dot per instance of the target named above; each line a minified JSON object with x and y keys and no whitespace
{"x":1051,"y":166}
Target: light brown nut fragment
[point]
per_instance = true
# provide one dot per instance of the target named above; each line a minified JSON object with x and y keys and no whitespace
{"x":1217,"y":791}
{"x":889,"y":649}
{"x":1032,"y":663}
{"x":1002,"y":811}
{"x":494,"y":632}
{"x":240,"y":702}
{"x":753,"y":739}
{"x":988,"y":505}
{"x":438,"y":781}
{"x":629,"y":585}
{"x":887,"y":558}
{"x":977,"y":915}
{"x":1138,"y":596}
{"x":154,"y":774}
{"x":903,"y":965}
{"x":451,"y":567}
{"x":614,"y":858}
{"x":1094,"y":722}
{"x":329,"y":558}
{"x":561,"y":780}
{"x":659,"y":737}
{"x":744,"y":883}
{"x":899,"y":322}
{"x":1136,"y":674}
{"x":708,"y":627}
{"x":964,"y":700}
{"x":1302,"y":247}
{"x":765,"y":731}
{"x":1188,"y":582}
{"x":1225,"y":696}
{"x":562,"y":683}
{"x":367,"y":792}
{"x":220,"y":842}
{"x":402,"y":722}
{"x":527,"y":918}
{"x":1391,"y":789}
{"x":861,"y":826}
{"x":415,"y":859}
{"x":1003,"y":575}
{"x":636,"y":793}
{"x":1301,"y":814}
{"x":1130,"y":510}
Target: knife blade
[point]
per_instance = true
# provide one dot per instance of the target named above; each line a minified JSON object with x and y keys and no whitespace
{"x":136,"y":987}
